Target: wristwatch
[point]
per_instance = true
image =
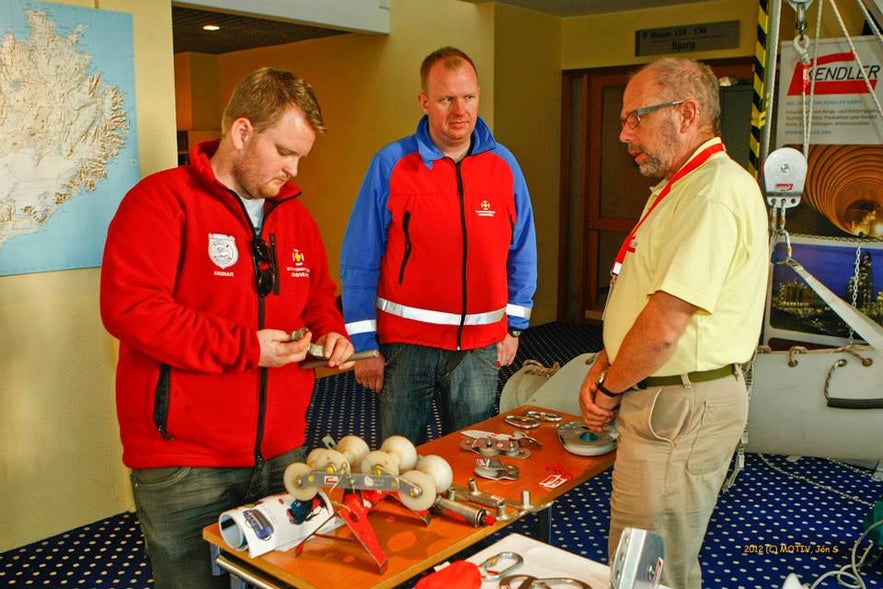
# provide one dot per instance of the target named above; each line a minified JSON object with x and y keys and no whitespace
{"x":600,"y":385}
{"x":515,"y":332}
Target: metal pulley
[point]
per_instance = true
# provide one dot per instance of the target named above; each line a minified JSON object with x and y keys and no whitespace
{"x":784,"y":175}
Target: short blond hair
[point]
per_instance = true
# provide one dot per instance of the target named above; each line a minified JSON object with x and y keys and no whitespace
{"x":264,"y":95}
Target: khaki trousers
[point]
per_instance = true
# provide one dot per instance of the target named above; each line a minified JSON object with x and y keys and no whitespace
{"x":674,"y":449}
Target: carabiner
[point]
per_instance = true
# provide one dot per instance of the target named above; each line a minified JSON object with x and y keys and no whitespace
{"x":544,"y":416}
{"x":529,"y":582}
{"x":489,"y":574}
{"x":522,"y":421}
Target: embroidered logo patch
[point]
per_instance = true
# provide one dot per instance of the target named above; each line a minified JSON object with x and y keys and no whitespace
{"x":298,"y":267}
{"x":222,"y":250}
{"x":484,"y":209}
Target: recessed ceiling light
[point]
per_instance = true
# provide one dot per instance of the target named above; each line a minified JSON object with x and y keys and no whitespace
{"x":211,"y":28}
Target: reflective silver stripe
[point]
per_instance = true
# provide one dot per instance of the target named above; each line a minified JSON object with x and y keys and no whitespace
{"x":518,"y":311}
{"x":357,"y":327}
{"x":439,"y":317}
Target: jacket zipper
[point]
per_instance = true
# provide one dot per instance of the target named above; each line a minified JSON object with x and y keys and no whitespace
{"x":406,"y":221}
{"x":264,"y":371}
{"x":462,"y":196}
{"x":161,"y":402}
{"x":263,"y":374}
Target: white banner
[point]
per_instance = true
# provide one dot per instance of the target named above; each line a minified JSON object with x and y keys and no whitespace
{"x":843,"y":108}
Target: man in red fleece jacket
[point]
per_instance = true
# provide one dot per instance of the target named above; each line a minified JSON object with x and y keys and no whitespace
{"x":208,"y":268}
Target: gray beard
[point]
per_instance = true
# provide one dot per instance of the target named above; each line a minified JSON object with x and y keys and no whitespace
{"x":658,"y":164}
{"x":653,"y":168}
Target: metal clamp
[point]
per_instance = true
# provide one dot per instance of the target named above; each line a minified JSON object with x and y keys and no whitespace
{"x":491,"y":447}
{"x":526,"y":440}
{"x":491,"y":468}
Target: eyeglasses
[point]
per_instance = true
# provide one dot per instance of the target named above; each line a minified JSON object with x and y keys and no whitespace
{"x":633,"y":119}
{"x":266,"y":272}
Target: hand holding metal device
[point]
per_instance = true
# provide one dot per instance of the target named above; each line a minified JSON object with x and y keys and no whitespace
{"x":318,"y":352}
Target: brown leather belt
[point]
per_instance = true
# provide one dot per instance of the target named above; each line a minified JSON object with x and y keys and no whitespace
{"x":676,"y":379}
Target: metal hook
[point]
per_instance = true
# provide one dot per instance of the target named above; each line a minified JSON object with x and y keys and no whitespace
{"x":775,"y":258}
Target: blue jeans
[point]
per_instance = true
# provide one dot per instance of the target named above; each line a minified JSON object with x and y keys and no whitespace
{"x":174,"y":505}
{"x":467,"y":379}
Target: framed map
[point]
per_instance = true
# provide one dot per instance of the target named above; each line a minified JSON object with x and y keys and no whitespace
{"x":68,"y":143}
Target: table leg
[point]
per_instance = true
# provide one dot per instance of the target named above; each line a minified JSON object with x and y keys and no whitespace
{"x":544,"y":524}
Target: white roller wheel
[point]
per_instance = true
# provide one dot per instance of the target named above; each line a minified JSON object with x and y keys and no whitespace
{"x":403,"y":449}
{"x":330,"y":461}
{"x":438,"y":470}
{"x":315,"y":453}
{"x":424,"y":482}
{"x":294,"y":477}
{"x":354,"y":449}
{"x":379,"y":462}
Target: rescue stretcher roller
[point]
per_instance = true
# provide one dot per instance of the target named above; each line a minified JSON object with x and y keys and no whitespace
{"x":387,"y":469}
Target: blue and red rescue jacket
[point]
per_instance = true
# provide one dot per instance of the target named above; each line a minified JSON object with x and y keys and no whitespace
{"x":439,"y":253}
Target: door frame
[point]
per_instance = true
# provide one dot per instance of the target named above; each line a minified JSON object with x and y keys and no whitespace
{"x":590,"y":84}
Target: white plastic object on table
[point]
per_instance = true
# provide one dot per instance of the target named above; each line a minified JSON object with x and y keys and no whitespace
{"x":438,"y":469}
{"x":354,"y":450}
{"x":379,"y":462}
{"x":424,"y":488}
{"x":403,"y":449}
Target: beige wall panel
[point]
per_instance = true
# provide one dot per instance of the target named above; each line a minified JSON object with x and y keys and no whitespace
{"x":527,"y":112}
{"x":61,"y":464}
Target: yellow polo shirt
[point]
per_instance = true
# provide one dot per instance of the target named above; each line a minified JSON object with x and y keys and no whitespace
{"x":706,"y":243}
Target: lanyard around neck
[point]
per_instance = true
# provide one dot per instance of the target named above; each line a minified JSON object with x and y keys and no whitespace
{"x":691,"y":165}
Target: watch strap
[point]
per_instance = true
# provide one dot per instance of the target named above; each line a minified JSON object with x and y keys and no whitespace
{"x":600,"y":386}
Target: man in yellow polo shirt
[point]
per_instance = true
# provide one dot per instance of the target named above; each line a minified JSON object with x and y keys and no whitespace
{"x":685,"y":309}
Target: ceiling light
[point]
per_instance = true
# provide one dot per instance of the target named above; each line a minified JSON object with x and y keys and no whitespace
{"x":211,"y":28}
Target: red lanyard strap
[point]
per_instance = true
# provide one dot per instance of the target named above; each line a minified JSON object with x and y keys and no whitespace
{"x":691,"y":165}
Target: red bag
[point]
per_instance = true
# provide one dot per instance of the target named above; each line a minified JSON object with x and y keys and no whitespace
{"x":460,"y":574}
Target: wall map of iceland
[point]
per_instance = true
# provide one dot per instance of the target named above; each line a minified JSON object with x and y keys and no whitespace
{"x":68,"y":145}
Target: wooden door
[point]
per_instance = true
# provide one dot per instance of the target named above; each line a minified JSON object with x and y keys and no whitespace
{"x":602,"y":191}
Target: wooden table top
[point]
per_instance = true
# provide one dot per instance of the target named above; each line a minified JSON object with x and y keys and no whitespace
{"x":411,"y":546}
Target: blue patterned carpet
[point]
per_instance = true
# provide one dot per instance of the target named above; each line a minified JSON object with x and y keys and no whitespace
{"x":783,"y":515}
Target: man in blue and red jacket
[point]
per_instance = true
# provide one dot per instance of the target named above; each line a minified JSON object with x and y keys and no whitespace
{"x":439,"y":260}
{"x":208,"y":268}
